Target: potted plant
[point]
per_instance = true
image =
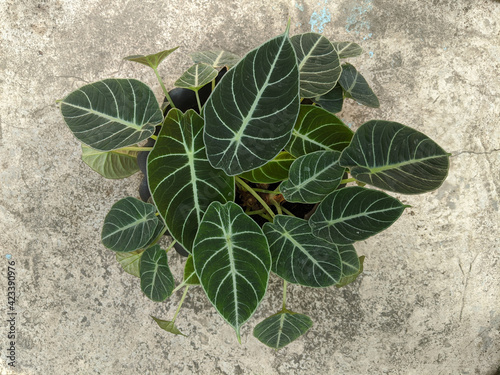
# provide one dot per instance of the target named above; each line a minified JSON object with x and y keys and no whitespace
{"x":250,"y":171}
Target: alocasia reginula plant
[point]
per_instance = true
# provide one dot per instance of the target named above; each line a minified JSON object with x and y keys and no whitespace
{"x":252,"y":176}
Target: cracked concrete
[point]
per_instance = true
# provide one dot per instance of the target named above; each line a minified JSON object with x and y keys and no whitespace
{"x":429,"y":299}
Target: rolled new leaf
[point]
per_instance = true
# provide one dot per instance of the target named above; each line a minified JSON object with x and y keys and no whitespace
{"x":354,"y":214}
{"x":251,"y":112}
{"x":356,"y":87}
{"x":300,"y":257}
{"x":152,"y":60}
{"x":157,"y":281}
{"x":317,"y":129}
{"x":282,"y":328}
{"x":395,"y":157}
{"x":112,"y":113}
{"x":232,"y":260}
{"x":168,"y":325}
{"x":319,"y":64}
{"x":130,"y":225}
{"x":312,"y":177}
{"x":181,"y":180}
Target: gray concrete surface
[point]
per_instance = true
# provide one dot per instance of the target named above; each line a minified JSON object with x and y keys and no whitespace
{"x":429,"y":300}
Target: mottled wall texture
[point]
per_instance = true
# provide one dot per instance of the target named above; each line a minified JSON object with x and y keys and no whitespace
{"x":429,"y":299}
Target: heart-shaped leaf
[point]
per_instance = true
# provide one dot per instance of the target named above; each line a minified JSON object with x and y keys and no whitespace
{"x":190,"y":277}
{"x":300,"y":257}
{"x":251,"y":112}
{"x":353,"y":214}
{"x":113,"y":113}
{"x":196,"y":77}
{"x":130,"y":225}
{"x":317,"y":129}
{"x":152,"y":60}
{"x":395,"y":157}
{"x":130,"y":262}
{"x":282,"y":328}
{"x":273,"y":171}
{"x":356,"y":87}
{"x":319,"y":64}
{"x":217,"y":59}
{"x":332,"y":101}
{"x":157,"y":281}
{"x":181,"y":180}
{"x":231,"y":258}
{"x":350,"y":264}
{"x":168,"y":326}
{"x":111,"y":164}
{"x":312,"y":177}
{"x":347,"y":49}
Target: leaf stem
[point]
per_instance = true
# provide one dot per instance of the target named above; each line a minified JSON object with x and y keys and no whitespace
{"x":213,"y":84}
{"x":347,"y":180}
{"x":159,"y":238}
{"x":257,"y":212}
{"x":254,"y":193}
{"x":277,"y":205}
{"x":133,"y":148}
{"x":285,"y":283}
{"x":154,"y":137}
{"x":274,"y":192}
{"x":198,"y":100}
{"x":165,"y":91}
{"x":267,"y":217}
{"x":180,"y":304}
{"x":171,"y":245}
{"x":287,"y":212}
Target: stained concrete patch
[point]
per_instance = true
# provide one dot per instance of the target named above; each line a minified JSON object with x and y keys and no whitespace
{"x":429,"y":299}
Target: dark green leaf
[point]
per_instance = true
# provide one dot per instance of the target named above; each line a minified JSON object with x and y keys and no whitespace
{"x":332,"y":101}
{"x":347,"y":279}
{"x":312,"y":177}
{"x":181,"y":180}
{"x":395,"y":157}
{"x":317,"y":129}
{"x":111,"y":164}
{"x":129,"y":225}
{"x":196,"y":77}
{"x":168,"y":326}
{"x":151,"y":60}
{"x":130,"y":262}
{"x":281,"y":329}
{"x":251,"y":112}
{"x":231,"y":258}
{"x":217,"y":59}
{"x":190,"y":277}
{"x":319,"y":64}
{"x":111,"y":114}
{"x":300,"y":257}
{"x":356,"y":87}
{"x":347,"y":49}
{"x":273,"y":171}
{"x":353,"y":214}
{"x":157,"y":281}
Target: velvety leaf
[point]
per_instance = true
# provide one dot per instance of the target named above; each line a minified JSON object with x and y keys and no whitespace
{"x":190,"y":277}
{"x":319,"y":64}
{"x":356,"y":87}
{"x":152,"y":60}
{"x":251,"y":112}
{"x":353,"y":214}
{"x":347,"y":279}
{"x":130,"y":262}
{"x":217,"y":59}
{"x":281,"y":329}
{"x":317,"y":129}
{"x":300,"y":257}
{"x":111,"y":114}
{"x":347,"y":49}
{"x":196,"y":77}
{"x":312,"y":177}
{"x":273,"y":171}
{"x":111,"y":164}
{"x":332,"y":101}
{"x":168,"y":326}
{"x":130,"y":225}
{"x":181,"y":180}
{"x":395,"y":157}
{"x":157,"y":281}
{"x":231,"y":258}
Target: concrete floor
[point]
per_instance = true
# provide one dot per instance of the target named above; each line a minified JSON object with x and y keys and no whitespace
{"x":429,"y":299}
